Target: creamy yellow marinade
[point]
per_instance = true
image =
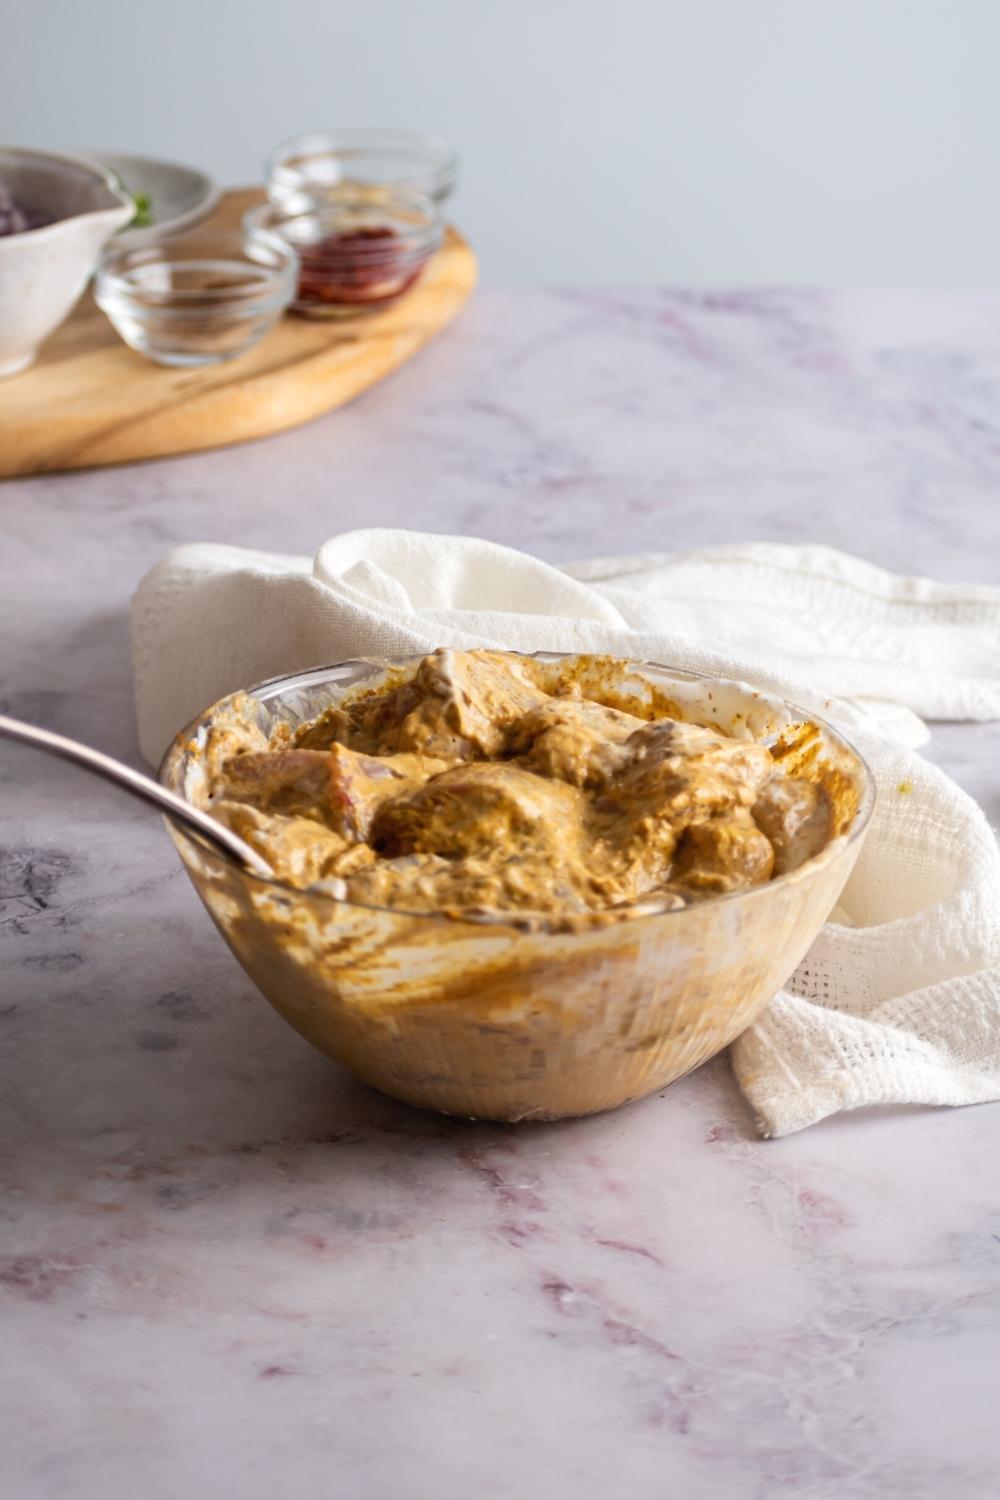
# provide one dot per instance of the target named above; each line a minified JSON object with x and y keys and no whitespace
{"x":481,"y":785}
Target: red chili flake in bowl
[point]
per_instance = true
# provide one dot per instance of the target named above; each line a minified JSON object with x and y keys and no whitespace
{"x":367,"y":264}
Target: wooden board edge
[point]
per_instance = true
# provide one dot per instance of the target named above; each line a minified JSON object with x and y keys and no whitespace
{"x":267,"y":410}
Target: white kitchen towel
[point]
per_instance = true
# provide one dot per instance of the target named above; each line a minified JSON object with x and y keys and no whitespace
{"x":898,"y":1001}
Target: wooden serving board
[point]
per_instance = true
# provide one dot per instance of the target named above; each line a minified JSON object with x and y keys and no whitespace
{"x":91,"y":400}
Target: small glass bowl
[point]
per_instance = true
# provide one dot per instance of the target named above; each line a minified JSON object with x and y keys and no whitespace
{"x":359,"y":247}
{"x":387,"y":158}
{"x":197,"y":299}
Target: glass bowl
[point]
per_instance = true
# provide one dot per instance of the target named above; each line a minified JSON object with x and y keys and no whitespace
{"x":197,"y":299}
{"x":359,"y":248}
{"x":483,"y":1019}
{"x":390,"y":158}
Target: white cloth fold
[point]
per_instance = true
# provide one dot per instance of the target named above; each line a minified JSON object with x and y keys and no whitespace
{"x":899,"y":998}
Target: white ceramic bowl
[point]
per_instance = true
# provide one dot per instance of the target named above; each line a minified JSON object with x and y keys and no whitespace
{"x":43,"y":271}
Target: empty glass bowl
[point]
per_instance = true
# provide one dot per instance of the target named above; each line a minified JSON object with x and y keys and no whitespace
{"x":359,"y":247}
{"x":390,"y":158}
{"x":199,"y":298}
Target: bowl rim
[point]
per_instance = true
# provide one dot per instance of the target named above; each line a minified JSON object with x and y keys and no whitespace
{"x":442,"y":166}
{"x":103,"y":176}
{"x":271,"y":687}
{"x":134,"y":237}
{"x":272,"y":283}
{"x":415,"y":239}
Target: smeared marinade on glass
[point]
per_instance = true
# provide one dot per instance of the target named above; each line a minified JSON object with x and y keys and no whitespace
{"x":486,"y":783}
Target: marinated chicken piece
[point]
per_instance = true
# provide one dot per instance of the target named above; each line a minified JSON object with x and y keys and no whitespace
{"x":478,"y":809}
{"x":457,"y":706}
{"x":795,"y":816}
{"x":343,"y":789}
{"x":677,"y":774}
{"x":574,"y":740}
{"x":724,"y":853}
{"x":230,"y":734}
{"x":363,"y":783}
{"x":369,"y":724}
{"x":284,"y":781}
{"x":300,"y":850}
{"x":468,"y":704}
{"x":482,"y":785}
{"x":507,"y":838}
{"x":683,"y":771}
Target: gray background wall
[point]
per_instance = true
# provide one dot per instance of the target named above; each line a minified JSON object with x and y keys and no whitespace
{"x":694,"y":140}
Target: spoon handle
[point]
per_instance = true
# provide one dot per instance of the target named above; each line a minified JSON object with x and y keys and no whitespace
{"x":139,"y":785}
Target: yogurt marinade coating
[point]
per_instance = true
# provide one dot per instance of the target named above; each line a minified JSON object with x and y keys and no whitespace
{"x":482,"y":784}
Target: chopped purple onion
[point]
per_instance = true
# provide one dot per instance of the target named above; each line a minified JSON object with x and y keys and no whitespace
{"x":15,"y":219}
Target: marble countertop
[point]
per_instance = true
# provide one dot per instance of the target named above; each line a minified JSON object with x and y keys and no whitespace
{"x":225,"y":1267}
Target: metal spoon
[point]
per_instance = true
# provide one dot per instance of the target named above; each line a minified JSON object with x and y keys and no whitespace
{"x":140,"y":786}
